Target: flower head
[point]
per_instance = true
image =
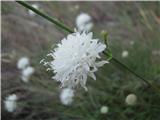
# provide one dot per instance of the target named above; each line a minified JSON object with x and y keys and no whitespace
{"x":75,"y":58}
{"x":66,"y":96}
{"x":125,"y":54}
{"x":26,"y":73}
{"x":131,"y":99}
{"x":132,"y":42}
{"x":10,"y":103}
{"x":84,"y":22}
{"x":23,"y":63}
{"x":104,"y":110}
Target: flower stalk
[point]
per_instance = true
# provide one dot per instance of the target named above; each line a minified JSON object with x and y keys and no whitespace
{"x":67,"y":29}
{"x":52,"y":20}
{"x":108,"y":53}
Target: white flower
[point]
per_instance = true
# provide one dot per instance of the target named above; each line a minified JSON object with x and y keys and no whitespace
{"x":132,"y":42}
{"x":84,"y":22}
{"x":30,"y":12}
{"x":23,"y":63}
{"x":75,"y":58}
{"x":11,"y":103}
{"x":104,"y":110}
{"x":156,"y":52}
{"x":66,"y":96}
{"x":26,"y":73}
{"x":74,"y":8}
{"x":125,"y":54}
{"x":131,"y":99}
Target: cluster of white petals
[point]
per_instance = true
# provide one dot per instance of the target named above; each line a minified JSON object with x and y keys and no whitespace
{"x":11,"y":103}
{"x":26,"y":70}
{"x":75,"y":58}
{"x":84,"y":22}
{"x":26,"y":73}
{"x":66,"y":96}
{"x":23,"y":63}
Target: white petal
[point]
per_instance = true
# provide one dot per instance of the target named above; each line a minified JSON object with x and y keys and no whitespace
{"x":92,"y":75}
{"x":101,"y":47}
{"x":101,"y":63}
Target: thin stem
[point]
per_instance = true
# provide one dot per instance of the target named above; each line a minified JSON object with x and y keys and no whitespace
{"x":64,"y":27}
{"x":126,"y":67}
{"x":131,"y":71}
{"x":53,"y":20}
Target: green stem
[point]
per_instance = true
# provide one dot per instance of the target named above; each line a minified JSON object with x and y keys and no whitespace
{"x":53,"y":20}
{"x":64,"y":27}
{"x":127,"y":68}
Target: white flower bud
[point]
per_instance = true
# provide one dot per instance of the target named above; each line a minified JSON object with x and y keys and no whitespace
{"x":125,"y":54}
{"x":66,"y":96}
{"x":11,"y":103}
{"x":26,"y":73}
{"x":104,"y":110}
{"x":84,"y":22}
{"x":131,"y":99}
{"x":23,"y":63}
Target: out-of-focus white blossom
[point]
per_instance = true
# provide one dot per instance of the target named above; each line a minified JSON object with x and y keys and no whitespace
{"x":30,"y":12}
{"x":75,"y":58}
{"x":125,"y":54}
{"x":74,"y":8}
{"x":132,"y":42}
{"x":23,"y":63}
{"x":84,"y":22}
{"x":26,"y":73}
{"x":156,"y":52}
{"x":131,"y":99}
{"x":104,"y":110}
{"x":11,"y":103}
{"x":66,"y":96}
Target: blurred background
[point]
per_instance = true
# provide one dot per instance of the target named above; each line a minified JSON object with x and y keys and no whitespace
{"x":133,"y":28}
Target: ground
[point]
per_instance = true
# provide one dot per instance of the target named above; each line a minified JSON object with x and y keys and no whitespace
{"x":132,"y":26}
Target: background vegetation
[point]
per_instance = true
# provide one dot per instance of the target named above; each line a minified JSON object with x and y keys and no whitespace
{"x":33,"y":36}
